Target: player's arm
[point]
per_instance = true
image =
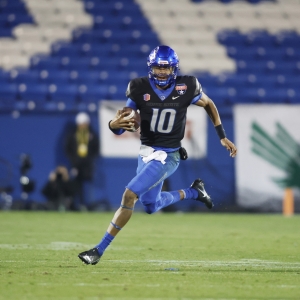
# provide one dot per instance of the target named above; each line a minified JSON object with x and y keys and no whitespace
{"x":118,"y":125}
{"x":213,"y":114}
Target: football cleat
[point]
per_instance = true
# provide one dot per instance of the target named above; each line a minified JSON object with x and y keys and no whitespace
{"x":198,"y":185}
{"x":90,"y":257}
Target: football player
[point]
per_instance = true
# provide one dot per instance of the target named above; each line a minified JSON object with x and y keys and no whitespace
{"x":162,"y":98}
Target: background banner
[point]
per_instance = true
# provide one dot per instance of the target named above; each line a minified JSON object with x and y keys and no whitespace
{"x":127,"y":144}
{"x":268,"y":161}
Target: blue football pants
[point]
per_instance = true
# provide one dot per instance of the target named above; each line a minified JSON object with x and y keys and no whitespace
{"x":149,"y":179}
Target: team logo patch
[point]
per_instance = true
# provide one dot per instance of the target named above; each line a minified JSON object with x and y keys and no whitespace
{"x":181,"y":88}
{"x":146,"y":97}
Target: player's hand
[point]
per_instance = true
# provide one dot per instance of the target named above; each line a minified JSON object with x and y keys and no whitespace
{"x":118,"y":121}
{"x":229,"y":146}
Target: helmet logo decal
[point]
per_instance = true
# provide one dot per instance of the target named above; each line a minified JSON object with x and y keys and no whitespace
{"x":146,"y":97}
{"x":152,"y":56}
{"x":181,"y":88}
{"x":163,"y":62}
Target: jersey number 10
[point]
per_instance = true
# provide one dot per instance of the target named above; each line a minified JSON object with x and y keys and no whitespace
{"x":159,"y":118}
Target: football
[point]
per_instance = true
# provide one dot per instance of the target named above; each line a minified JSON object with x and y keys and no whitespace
{"x":132,"y":114}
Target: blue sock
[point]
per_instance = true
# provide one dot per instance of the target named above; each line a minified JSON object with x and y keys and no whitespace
{"x":106,"y":240}
{"x":190,"y":193}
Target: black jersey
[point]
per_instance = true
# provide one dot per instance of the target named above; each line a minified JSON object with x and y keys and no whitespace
{"x":163,"y":121}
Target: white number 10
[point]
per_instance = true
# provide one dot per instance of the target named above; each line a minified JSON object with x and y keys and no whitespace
{"x":161,"y":117}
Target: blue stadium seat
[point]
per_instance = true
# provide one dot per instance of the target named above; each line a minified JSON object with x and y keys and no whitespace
{"x":91,"y":49}
{"x":241,"y":53}
{"x":275,"y":95}
{"x":120,"y":22}
{"x":74,"y":63}
{"x":116,"y":92}
{"x":18,"y":18}
{"x":207,"y":80}
{"x":231,"y":38}
{"x":232,"y":79}
{"x":8,"y":91}
{"x":5,"y":32}
{"x":280,"y":67}
{"x":32,"y":92}
{"x":288,"y":81}
{"x":259,"y":38}
{"x":4,"y":76}
{"x":268,"y":53}
{"x":54,"y":76}
{"x":247,"y":95}
{"x":287,"y":39}
{"x":65,"y":49}
{"x":93,"y":92}
{"x":91,"y":77}
{"x":63,"y":92}
{"x":44,"y":62}
{"x":293,"y":95}
{"x":290,"y":53}
{"x":112,"y":7}
{"x":22,"y":75}
{"x":221,"y":95}
{"x":249,"y":67}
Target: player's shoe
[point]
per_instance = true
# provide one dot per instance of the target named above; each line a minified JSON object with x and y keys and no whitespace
{"x":198,"y":185}
{"x":90,"y":257}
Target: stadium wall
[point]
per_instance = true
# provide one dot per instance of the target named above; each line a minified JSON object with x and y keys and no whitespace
{"x":40,"y":135}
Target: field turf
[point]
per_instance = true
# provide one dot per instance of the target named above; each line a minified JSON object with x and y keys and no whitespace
{"x":162,"y":256}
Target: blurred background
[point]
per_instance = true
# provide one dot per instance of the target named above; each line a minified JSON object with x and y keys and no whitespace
{"x":61,"y":58}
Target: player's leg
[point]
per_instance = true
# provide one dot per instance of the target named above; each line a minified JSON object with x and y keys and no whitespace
{"x":147,"y":186}
{"x":121,"y":217}
{"x":124,"y":213}
{"x":164,"y":199}
{"x":148,"y":183}
{"x":152,"y":174}
{"x":146,"y":178}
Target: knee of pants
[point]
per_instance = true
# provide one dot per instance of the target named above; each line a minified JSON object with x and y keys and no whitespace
{"x":150,"y":208}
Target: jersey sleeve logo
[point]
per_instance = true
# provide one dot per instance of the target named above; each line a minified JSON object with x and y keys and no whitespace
{"x":181,"y":88}
{"x":146,"y":97}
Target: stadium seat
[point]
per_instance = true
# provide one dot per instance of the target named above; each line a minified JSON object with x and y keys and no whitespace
{"x":44,"y":62}
{"x":66,"y":93}
{"x":93,"y":92}
{"x":65,"y":49}
{"x":293,"y":95}
{"x":23,"y":76}
{"x":275,"y":95}
{"x":115,"y":48}
{"x":32,"y":92}
{"x":8,"y":91}
{"x":54,"y":76}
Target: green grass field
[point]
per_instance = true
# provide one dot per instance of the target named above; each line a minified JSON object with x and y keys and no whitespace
{"x":162,"y":256}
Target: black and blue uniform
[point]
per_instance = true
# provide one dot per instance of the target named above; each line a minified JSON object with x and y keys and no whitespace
{"x":163,"y":119}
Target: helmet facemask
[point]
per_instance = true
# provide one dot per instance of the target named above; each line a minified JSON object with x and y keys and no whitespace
{"x":162,"y":74}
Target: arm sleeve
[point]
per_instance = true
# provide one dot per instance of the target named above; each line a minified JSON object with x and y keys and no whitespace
{"x":117,"y":131}
{"x":195,"y":99}
{"x":131,"y":103}
{"x":198,"y":92}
